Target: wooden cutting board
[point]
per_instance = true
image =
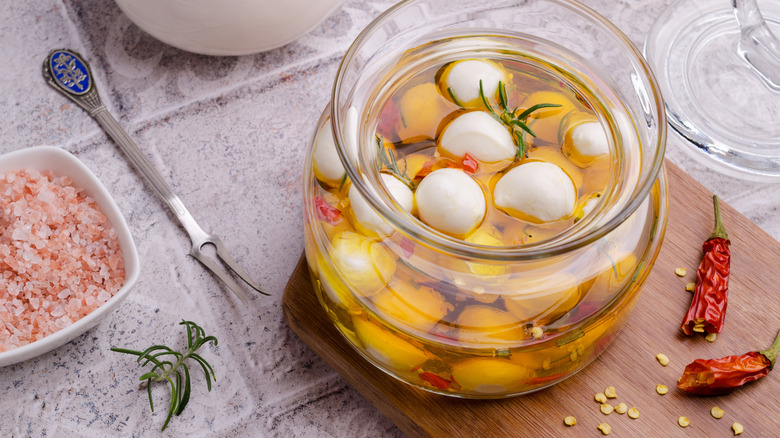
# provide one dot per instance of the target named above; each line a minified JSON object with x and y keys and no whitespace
{"x":629,"y":364}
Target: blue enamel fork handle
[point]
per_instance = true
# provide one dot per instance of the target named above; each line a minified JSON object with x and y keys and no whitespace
{"x":69,"y":74}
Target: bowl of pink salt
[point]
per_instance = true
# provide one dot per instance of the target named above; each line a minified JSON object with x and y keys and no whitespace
{"x":67,"y":258}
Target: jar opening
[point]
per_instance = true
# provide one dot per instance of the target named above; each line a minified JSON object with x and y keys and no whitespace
{"x":364,"y":81}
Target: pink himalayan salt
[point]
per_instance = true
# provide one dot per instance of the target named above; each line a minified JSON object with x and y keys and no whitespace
{"x":59,"y":256}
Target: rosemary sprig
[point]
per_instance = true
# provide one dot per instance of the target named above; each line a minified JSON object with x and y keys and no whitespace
{"x":177,"y":374}
{"x":387,"y":160}
{"x":452,"y":95}
{"x":517,"y":123}
{"x":343,"y":181}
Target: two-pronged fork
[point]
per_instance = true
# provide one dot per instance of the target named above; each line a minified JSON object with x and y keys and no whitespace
{"x":67,"y":72}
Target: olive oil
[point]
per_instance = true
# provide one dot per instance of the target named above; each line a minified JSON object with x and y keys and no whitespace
{"x":484,"y":327}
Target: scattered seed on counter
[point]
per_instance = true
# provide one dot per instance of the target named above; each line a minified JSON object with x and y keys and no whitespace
{"x":621,"y":408}
{"x":633,"y":413}
{"x":662,"y":359}
{"x":610,"y":392}
{"x":606,"y":408}
{"x":661,"y":389}
{"x":680,"y":272}
{"x":683,"y":422}
{"x":717,"y":412}
{"x":711,"y":337}
{"x":690,"y":287}
{"x":606,"y":428}
{"x":601,"y":398}
{"x":570,"y":421}
{"x":737,"y":428}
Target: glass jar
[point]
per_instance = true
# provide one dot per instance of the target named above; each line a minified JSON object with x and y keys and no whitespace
{"x":464,"y":316}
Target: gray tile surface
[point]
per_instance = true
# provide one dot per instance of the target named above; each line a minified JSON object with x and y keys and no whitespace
{"x":228,"y":134}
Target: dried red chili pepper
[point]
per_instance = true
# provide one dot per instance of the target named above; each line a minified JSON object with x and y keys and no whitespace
{"x":721,"y":376}
{"x":708,"y":308}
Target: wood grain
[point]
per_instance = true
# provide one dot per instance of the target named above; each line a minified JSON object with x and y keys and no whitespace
{"x":629,"y":364}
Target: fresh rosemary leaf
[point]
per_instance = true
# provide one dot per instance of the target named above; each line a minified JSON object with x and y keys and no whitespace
{"x":452,"y":95}
{"x":517,"y":123}
{"x":502,"y":96}
{"x":524,"y":115}
{"x":387,"y":160}
{"x":485,"y":99}
{"x":175,"y":370}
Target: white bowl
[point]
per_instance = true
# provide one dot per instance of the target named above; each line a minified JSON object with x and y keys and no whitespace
{"x":63,"y":163}
{"x":227,"y":27}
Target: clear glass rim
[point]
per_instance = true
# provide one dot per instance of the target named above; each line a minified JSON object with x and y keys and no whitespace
{"x":457,"y":247}
{"x":738,"y":157}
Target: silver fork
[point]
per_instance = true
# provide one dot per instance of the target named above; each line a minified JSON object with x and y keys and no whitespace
{"x":67,"y":72}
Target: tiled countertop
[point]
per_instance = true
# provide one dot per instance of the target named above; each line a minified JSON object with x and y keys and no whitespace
{"x":228,"y":133}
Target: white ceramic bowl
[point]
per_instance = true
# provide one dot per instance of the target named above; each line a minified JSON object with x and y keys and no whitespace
{"x":227,"y":27}
{"x":63,"y":163}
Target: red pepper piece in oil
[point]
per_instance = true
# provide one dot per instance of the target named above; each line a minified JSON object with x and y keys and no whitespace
{"x":434,"y":164}
{"x":388,"y":121}
{"x":721,"y":376}
{"x":425,"y":170}
{"x":326,"y":212}
{"x":708,"y":308}
{"x":435,"y":380}
{"x":407,"y":246}
{"x":469,"y":164}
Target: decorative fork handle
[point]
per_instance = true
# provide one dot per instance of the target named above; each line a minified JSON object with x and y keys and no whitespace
{"x":68,"y":73}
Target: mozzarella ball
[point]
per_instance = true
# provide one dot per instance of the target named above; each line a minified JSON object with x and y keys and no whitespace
{"x":480,"y":135}
{"x":462,"y":79}
{"x":370,"y":219}
{"x":327,"y":164}
{"x":351,"y":134}
{"x":491,"y":375}
{"x":589,"y":205}
{"x":386,"y":348}
{"x":482,"y":324}
{"x":366,"y":265}
{"x":539,"y":190}
{"x":450,"y":201}
{"x":588,"y":142}
{"x":411,"y":305}
{"x":543,"y":300}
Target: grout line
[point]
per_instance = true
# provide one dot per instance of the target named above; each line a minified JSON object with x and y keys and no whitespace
{"x":133,"y":124}
{"x":156,"y":115}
